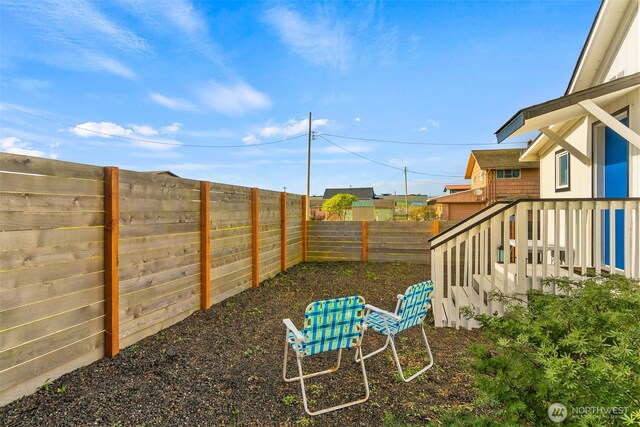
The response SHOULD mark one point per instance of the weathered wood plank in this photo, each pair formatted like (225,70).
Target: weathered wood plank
(154,255)
(32,349)
(13,221)
(155,180)
(48,362)
(30,239)
(131,299)
(18,335)
(18,183)
(159,317)
(33,257)
(152,218)
(157,242)
(13,298)
(146,192)
(33,275)
(149,306)
(146,230)
(37,165)
(31,202)
(155,328)
(155,267)
(138,283)
(128,204)
(42,309)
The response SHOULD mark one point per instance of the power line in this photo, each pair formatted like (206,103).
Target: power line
(384,164)
(151,141)
(388,141)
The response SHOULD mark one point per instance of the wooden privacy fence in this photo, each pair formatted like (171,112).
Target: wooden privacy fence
(372,241)
(94,259)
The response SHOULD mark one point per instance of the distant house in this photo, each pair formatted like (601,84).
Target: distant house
(364,193)
(495,175)
(456,188)
(499,175)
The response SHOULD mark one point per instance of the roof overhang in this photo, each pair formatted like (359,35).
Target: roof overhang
(565,108)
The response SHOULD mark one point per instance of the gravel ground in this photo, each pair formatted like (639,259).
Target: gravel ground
(223,366)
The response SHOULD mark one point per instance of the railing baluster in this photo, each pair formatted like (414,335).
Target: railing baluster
(597,237)
(534,244)
(545,238)
(569,255)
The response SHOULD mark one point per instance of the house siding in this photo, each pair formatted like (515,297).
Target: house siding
(627,57)
(527,185)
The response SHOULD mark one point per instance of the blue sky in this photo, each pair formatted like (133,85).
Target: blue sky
(221,91)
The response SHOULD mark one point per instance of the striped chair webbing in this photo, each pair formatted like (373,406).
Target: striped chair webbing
(333,324)
(415,304)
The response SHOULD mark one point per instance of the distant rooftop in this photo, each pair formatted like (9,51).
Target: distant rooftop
(363,193)
(498,159)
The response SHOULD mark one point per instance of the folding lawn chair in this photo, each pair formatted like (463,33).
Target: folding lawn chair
(411,310)
(329,325)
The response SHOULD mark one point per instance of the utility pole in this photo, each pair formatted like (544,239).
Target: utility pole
(406,194)
(308,213)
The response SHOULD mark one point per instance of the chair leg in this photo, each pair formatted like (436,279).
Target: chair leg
(311,375)
(421,371)
(343,405)
(381,349)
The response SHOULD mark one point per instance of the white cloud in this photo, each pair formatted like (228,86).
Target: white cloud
(172,103)
(357,119)
(172,128)
(102,129)
(429,124)
(99,62)
(318,41)
(14,145)
(291,128)
(144,130)
(250,139)
(30,85)
(233,99)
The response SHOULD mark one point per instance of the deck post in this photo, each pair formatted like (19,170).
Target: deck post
(283,231)
(365,244)
(255,237)
(205,246)
(111,236)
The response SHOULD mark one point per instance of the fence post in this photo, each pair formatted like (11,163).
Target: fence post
(205,246)
(365,243)
(304,228)
(283,231)
(111,236)
(436,227)
(255,241)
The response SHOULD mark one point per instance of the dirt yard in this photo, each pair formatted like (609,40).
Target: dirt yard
(223,366)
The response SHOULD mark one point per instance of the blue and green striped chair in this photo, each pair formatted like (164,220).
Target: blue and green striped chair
(411,310)
(329,325)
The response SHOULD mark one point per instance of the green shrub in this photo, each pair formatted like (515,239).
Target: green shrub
(580,348)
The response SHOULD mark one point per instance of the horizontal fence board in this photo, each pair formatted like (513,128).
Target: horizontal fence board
(29,276)
(222,246)
(19,258)
(231,292)
(238,264)
(13,337)
(151,192)
(154,255)
(42,309)
(157,242)
(234,279)
(128,204)
(33,349)
(424,259)
(11,221)
(28,202)
(158,180)
(131,299)
(30,239)
(17,297)
(232,287)
(47,362)
(156,327)
(147,306)
(137,283)
(149,218)
(37,165)
(145,230)
(158,317)
(11,182)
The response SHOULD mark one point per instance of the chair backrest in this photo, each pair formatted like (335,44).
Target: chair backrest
(415,304)
(333,324)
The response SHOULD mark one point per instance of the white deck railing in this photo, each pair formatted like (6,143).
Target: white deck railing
(511,247)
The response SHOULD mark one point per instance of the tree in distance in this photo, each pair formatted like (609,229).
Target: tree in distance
(339,204)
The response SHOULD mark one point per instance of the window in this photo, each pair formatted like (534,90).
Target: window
(482,176)
(562,170)
(507,173)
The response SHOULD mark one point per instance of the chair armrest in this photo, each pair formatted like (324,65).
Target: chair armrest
(382,312)
(296,333)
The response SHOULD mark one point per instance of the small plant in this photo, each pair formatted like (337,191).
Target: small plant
(348,272)
(252,350)
(132,348)
(229,304)
(304,422)
(372,276)
(290,399)
(45,386)
(62,389)
(315,390)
